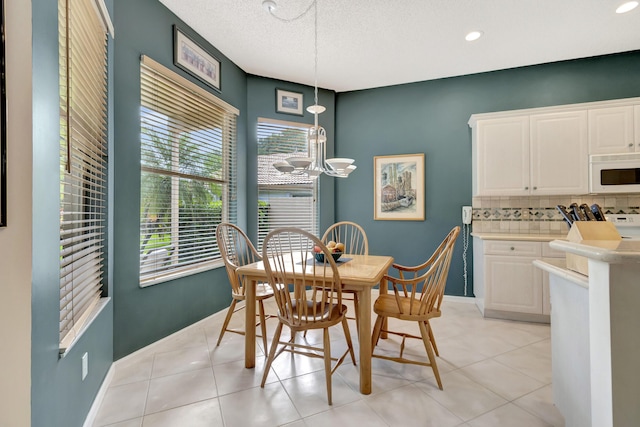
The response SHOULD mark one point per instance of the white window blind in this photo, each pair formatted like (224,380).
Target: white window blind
(284,200)
(83,162)
(188,174)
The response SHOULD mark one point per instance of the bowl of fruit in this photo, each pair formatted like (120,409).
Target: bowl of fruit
(336,250)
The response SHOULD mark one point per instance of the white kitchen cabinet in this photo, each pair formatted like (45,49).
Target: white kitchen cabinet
(501,165)
(542,154)
(506,284)
(559,153)
(614,130)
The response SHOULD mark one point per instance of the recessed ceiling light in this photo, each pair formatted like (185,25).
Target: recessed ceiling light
(473,35)
(627,7)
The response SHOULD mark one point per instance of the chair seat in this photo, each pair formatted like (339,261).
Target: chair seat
(263,291)
(387,305)
(332,317)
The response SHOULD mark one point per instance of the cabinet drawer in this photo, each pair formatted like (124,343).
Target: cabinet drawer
(549,252)
(515,248)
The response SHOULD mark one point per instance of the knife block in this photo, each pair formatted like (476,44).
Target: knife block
(585,231)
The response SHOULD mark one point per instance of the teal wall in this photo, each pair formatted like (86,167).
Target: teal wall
(431,117)
(59,397)
(144,315)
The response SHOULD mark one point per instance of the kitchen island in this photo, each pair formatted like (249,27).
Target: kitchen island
(594,332)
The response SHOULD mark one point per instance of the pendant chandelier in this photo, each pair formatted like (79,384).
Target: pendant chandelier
(317,163)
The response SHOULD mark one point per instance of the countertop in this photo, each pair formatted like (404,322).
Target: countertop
(520,237)
(611,251)
(558,268)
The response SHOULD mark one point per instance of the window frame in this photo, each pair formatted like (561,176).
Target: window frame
(227,180)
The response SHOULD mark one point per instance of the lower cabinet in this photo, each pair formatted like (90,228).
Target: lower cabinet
(506,284)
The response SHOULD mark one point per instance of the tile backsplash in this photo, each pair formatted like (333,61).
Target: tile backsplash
(538,215)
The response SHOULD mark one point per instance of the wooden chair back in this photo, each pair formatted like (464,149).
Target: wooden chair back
(236,250)
(295,275)
(349,233)
(426,290)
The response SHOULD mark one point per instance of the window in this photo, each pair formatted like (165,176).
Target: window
(83,161)
(188,174)
(284,200)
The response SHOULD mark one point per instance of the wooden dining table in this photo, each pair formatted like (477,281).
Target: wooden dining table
(360,274)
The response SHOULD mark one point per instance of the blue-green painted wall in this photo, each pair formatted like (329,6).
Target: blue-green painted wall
(144,315)
(431,117)
(59,397)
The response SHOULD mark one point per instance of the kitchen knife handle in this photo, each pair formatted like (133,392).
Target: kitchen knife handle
(565,214)
(577,213)
(597,212)
(586,210)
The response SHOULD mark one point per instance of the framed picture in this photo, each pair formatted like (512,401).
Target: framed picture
(289,102)
(189,56)
(399,187)
(3,125)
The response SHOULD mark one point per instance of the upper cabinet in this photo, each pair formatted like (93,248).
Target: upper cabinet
(611,130)
(545,151)
(559,155)
(502,156)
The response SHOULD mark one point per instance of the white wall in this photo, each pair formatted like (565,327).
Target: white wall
(15,239)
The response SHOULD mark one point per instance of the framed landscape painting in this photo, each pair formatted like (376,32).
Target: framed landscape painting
(289,102)
(399,187)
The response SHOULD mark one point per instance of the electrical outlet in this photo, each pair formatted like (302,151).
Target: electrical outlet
(85,365)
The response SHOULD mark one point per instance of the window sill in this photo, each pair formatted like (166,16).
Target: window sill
(68,343)
(181,273)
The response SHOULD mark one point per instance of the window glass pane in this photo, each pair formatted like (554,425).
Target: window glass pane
(284,200)
(187,175)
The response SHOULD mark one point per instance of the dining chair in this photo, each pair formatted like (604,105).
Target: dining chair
(237,250)
(294,275)
(417,296)
(355,242)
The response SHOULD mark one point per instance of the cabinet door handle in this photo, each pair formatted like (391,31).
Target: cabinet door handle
(535,188)
(526,188)
(512,248)
(630,145)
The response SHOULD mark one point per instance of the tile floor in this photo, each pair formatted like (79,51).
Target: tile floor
(494,372)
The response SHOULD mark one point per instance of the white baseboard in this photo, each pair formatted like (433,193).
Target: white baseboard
(95,406)
(454,298)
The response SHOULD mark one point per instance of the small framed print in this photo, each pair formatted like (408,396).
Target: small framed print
(192,58)
(399,187)
(289,102)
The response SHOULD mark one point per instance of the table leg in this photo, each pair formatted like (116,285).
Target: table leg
(385,322)
(364,337)
(250,324)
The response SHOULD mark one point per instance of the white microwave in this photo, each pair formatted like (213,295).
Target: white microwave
(614,173)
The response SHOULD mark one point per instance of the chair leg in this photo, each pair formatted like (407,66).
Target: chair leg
(272,353)
(347,336)
(355,307)
(327,362)
(377,328)
(424,331)
(263,325)
(433,339)
(227,319)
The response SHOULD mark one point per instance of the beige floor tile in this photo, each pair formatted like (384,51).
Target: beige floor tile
(503,380)
(122,403)
(182,360)
(409,406)
(233,376)
(180,389)
(309,392)
(531,363)
(507,415)
(138,369)
(353,414)
(200,414)
(462,396)
(483,363)
(259,407)
(540,404)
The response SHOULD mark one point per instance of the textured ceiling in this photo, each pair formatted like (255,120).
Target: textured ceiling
(372,43)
